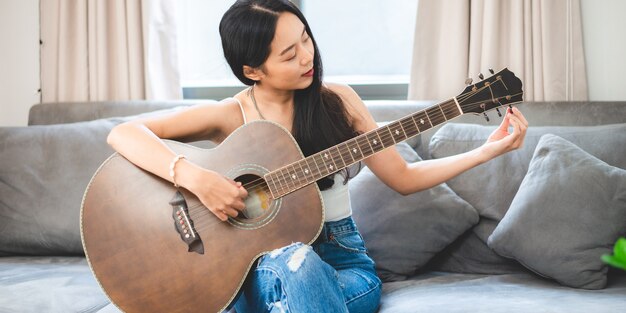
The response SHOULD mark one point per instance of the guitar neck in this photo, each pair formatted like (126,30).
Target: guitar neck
(296,175)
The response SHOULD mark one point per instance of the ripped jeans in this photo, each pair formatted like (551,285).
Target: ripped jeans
(335,274)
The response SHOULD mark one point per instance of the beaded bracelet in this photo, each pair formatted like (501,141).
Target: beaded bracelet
(172,165)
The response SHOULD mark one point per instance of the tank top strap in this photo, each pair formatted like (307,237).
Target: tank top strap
(243,114)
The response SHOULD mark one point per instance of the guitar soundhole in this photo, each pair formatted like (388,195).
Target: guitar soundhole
(260,207)
(258,201)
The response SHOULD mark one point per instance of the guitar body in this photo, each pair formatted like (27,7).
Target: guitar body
(129,232)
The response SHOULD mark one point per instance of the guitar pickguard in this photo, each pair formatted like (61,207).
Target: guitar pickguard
(184,224)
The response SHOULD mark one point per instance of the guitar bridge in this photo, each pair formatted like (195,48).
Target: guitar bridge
(184,224)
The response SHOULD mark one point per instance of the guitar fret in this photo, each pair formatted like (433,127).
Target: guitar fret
(280,181)
(291,177)
(345,154)
(341,156)
(428,118)
(402,127)
(442,113)
(380,141)
(328,157)
(355,149)
(409,127)
(273,179)
(284,180)
(433,116)
(424,121)
(336,157)
(308,161)
(363,144)
(294,176)
(327,171)
(350,151)
(367,139)
(387,135)
(452,109)
(415,122)
(298,174)
(326,165)
(395,133)
(268,180)
(344,151)
(304,172)
(374,140)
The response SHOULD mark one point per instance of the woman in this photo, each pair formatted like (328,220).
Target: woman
(270,47)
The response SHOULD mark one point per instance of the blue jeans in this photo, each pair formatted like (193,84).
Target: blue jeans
(335,274)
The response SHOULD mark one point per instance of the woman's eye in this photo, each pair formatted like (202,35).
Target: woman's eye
(293,57)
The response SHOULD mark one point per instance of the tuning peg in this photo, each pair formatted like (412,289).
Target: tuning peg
(469,81)
(491,71)
(481,76)
(486,116)
(498,110)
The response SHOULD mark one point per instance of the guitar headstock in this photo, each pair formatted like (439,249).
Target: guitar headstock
(499,90)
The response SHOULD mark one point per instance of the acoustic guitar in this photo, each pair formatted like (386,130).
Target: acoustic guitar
(154,248)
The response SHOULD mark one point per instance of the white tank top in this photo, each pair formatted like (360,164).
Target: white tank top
(336,198)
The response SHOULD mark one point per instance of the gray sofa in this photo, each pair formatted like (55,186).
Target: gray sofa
(439,250)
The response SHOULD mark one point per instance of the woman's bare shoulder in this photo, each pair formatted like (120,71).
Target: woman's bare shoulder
(210,120)
(355,107)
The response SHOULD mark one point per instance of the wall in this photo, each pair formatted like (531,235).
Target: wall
(603,30)
(604,36)
(19,60)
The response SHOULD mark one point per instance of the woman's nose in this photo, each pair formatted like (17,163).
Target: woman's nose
(307,57)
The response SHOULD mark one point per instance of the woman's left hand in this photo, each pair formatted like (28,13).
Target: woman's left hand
(501,141)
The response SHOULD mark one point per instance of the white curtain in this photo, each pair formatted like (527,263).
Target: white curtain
(539,40)
(96,50)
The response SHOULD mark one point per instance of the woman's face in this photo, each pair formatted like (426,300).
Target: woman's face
(290,63)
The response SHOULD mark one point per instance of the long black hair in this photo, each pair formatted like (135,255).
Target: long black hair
(320,118)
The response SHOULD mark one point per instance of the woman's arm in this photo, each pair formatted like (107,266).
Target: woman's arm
(406,178)
(140,142)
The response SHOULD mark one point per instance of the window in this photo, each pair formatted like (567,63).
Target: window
(364,43)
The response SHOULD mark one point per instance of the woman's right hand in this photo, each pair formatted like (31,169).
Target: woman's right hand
(221,195)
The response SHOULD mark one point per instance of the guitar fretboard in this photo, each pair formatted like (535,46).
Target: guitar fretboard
(296,175)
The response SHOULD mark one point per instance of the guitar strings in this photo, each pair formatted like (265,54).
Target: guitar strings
(437,117)
(447,110)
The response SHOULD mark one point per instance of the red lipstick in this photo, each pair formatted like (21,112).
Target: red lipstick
(309,73)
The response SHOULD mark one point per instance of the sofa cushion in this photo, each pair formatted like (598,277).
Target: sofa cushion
(403,232)
(44,174)
(45,170)
(569,210)
(511,293)
(490,187)
(49,284)
(468,254)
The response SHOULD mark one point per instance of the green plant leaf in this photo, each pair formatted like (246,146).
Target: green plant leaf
(613,261)
(618,259)
(619,251)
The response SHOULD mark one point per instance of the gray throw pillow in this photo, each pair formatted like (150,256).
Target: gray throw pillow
(569,210)
(45,170)
(402,233)
(490,187)
(44,175)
